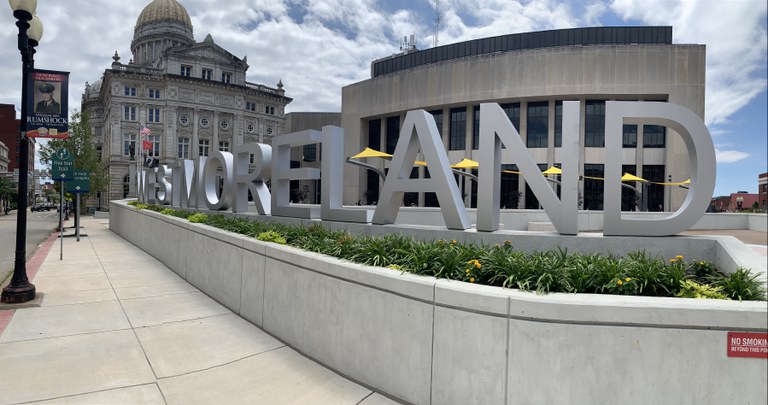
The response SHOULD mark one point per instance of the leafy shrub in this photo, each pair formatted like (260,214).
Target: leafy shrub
(167,211)
(271,236)
(742,285)
(692,289)
(197,217)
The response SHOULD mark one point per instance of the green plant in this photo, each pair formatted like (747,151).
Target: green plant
(692,289)
(622,286)
(271,236)
(742,285)
(197,217)
(167,211)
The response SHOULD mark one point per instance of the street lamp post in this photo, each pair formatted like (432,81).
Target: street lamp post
(739,201)
(30,31)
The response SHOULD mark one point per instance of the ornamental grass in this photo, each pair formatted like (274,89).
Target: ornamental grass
(557,270)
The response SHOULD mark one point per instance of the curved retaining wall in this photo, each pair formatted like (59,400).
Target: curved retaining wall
(428,341)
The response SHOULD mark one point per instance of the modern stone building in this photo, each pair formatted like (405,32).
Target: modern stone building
(530,75)
(192,96)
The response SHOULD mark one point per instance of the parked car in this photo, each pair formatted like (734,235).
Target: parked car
(39,207)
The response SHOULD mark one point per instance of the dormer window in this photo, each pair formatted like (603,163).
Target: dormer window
(186,71)
(226,77)
(207,73)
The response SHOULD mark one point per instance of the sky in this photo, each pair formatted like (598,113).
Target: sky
(316,47)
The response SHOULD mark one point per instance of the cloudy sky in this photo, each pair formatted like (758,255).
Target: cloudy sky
(318,46)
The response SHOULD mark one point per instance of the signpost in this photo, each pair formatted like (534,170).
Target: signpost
(62,169)
(81,183)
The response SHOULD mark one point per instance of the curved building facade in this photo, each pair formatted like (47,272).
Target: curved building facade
(530,75)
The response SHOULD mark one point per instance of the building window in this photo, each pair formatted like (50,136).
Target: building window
(309,153)
(224,124)
(476,127)
(374,134)
(458,129)
(128,140)
(204,146)
(250,106)
(207,73)
(183,148)
(509,195)
(250,127)
(654,136)
(154,93)
(538,126)
(630,137)
(629,197)
(205,122)
(129,91)
(183,119)
(268,109)
(186,71)
(513,113)
(226,77)
(438,115)
(98,132)
(224,146)
(594,124)
(393,133)
(593,186)
(155,140)
(129,113)
(153,115)
(654,192)
(558,124)
(531,201)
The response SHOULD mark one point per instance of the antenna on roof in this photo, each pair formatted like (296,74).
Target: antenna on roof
(408,45)
(438,21)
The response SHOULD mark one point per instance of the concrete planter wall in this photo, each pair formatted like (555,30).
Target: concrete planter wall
(427,341)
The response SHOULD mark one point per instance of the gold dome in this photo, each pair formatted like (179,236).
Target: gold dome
(164,10)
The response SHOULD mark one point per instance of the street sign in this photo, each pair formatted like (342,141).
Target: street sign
(62,165)
(81,182)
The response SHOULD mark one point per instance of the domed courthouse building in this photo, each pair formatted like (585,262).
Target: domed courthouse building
(530,75)
(192,96)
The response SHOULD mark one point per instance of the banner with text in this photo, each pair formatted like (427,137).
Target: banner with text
(47,113)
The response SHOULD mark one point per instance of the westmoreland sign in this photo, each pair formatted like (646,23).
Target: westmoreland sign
(194,184)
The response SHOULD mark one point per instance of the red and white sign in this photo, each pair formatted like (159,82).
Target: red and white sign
(746,344)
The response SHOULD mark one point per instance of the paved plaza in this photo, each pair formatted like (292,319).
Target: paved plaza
(115,326)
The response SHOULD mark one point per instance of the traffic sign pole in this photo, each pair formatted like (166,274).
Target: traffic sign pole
(77,218)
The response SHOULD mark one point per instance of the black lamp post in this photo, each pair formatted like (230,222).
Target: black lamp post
(30,31)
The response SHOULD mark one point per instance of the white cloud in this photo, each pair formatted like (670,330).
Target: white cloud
(730,156)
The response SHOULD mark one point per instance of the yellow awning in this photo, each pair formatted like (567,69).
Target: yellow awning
(419,163)
(369,153)
(630,177)
(466,164)
(552,170)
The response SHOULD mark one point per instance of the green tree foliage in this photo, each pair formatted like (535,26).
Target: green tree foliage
(81,145)
(7,192)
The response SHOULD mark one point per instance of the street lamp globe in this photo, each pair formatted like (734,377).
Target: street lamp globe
(35,30)
(23,8)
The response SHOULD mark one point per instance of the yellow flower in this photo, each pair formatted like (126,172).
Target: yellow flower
(679,257)
(469,261)
(627,279)
(477,264)
(441,241)
(497,246)
(619,282)
(467,271)
(453,242)
(701,263)
(471,279)
(507,242)
(672,260)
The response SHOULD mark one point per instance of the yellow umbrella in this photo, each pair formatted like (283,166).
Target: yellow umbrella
(419,163)
(629,177)
(369,153)
(510,171)
(466,164)
(552,170)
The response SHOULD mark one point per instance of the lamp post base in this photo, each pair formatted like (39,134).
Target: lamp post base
(18,294)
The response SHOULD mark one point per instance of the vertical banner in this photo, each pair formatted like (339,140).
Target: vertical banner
(47,112)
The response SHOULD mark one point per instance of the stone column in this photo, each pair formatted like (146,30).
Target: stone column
(215,138)
(193,152)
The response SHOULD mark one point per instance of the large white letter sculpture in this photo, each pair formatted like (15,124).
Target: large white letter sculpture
(701,165)
(282,174)
(419,129)
(332,187)
(212,175)
(253,181)
(495,129)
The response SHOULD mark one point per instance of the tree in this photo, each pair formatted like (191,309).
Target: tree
(80,144)
(7,189)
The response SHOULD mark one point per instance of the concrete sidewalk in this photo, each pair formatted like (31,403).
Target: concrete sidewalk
(115,326)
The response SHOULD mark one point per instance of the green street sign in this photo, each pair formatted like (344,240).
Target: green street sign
(62,165)
(81,182)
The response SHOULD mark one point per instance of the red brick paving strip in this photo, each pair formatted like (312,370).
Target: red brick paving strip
(33,265)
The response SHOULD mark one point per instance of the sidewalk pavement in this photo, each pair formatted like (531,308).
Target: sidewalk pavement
(115,326)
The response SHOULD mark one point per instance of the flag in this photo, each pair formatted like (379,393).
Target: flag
(145,131)
(147,145)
